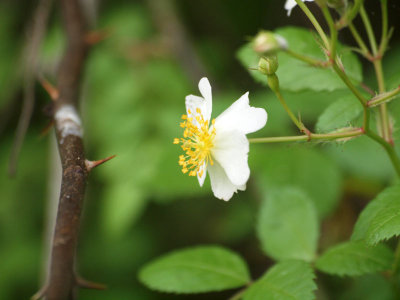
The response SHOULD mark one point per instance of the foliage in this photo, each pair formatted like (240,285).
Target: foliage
(298,76)
(355,258)
(288,225)
(380,220)
(302,200)
(287,280)
(301,169)
(195,270)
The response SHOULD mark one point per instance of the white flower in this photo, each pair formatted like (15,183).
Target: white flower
(219,147)
(290,4)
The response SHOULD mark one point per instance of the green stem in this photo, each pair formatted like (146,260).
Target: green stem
(387,146)
(359,40)
(332,30)
(389,149)
(384,117)
(299,124)
(377,62)
(350,15)
(379,75)
(366,118)
(314,21)
(368,28)
(239,294)
(384,97)
(309,60)
(349,84)
(310,137)
(385,21)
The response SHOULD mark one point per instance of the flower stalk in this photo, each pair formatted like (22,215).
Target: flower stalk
(347,18)
(314,21)
(311,137)
(385,141)
(291,115)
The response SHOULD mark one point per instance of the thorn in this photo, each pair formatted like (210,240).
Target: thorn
(95,37)
(83,283)
(40,293)
(93,164)
(50,89)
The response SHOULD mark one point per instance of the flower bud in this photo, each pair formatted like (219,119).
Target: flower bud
(268,65)
(273,83)
(267,42)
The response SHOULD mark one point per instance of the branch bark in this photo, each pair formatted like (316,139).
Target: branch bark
(62,283)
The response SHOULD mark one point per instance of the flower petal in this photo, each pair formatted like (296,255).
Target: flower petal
(203,172)
(205,90)
(240,116)
(230,151)
(221,186)
(192,104)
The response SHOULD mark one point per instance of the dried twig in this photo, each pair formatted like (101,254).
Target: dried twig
(35,34)
(166,18)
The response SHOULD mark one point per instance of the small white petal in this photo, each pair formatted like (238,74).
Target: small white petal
(221,186)
(240,116)
(205,90)
(230,151)
(290,4)
(192,104)
(203,170)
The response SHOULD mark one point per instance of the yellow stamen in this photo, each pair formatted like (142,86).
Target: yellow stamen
(197,142)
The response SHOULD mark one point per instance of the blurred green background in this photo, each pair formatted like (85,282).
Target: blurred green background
(140,205)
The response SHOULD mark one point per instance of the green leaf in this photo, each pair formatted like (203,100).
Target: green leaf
(288,225)
(288,280)
(196,270)
(339,114)
(380,220)
(355,258)
(302,167)
(354,157)
(364,220)
(295,75)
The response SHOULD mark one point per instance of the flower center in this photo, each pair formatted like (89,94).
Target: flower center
(197,143)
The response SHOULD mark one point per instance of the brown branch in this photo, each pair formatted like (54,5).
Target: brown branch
(62,283)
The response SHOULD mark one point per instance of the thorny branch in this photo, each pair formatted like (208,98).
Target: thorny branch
(63,280)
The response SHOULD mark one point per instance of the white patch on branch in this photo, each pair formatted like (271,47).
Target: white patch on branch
(68,122)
